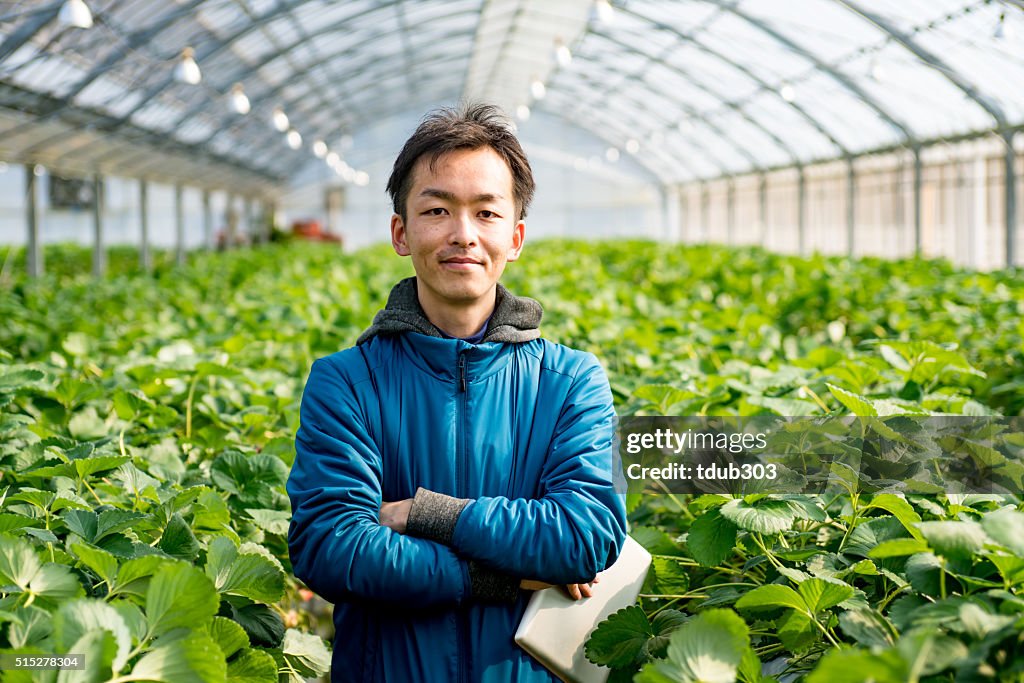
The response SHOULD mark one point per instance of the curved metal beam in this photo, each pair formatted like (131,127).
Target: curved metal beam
(931,60)
(24,32)
(270,95)
(686,75)
(836,75)
(700,45)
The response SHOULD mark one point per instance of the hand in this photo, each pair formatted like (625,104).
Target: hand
(575,590)
(396,515)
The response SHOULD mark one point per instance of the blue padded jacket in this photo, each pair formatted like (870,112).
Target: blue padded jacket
(523,430)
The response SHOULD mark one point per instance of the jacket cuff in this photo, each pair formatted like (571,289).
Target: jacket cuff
(433,515)
(488,585)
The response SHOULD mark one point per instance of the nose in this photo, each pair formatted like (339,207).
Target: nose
(463,232)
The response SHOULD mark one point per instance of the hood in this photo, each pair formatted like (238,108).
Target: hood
(515,319)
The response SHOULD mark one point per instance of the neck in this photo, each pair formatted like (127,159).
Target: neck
(456,320)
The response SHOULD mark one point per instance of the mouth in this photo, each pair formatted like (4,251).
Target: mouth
(460,262)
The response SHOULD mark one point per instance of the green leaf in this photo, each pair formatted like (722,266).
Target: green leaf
(179,595)
(228,635)
(857,405)
(100,561)
(134,575)
(250,478)
(868,627)
(954,539)
(99,649)
(306,653)
(670,576)
(858,666)
(252,666)
(262,624)
(796,631)
(820,594)
(711,539)
(18,562)
(193,659)
(56,582)
(246,574)
(73,620)
(271,521)
(771,595)
(1006,527)
(929,652)
(619,640)
(766,516)
(901,509)
(708,648)
(178,540)
(898,547)
(655,541)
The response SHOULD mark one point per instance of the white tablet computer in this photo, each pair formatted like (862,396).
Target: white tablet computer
(555,627)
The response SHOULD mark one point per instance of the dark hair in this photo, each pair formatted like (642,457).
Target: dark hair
(471,126)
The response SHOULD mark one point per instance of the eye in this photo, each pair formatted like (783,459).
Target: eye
(436,211)
(489,214)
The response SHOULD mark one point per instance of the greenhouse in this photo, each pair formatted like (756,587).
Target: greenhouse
(747,403)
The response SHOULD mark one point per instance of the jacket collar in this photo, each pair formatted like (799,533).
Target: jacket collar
(515,319)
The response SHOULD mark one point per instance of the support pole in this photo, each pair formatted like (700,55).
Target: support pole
(730,210)
(801,218)
(99,252)
(179,226)
(762,209)
(34,253)
(705,211)
(145,258)
(918,246)
(851,205)
(1011,200)
(231,217)
(207,222)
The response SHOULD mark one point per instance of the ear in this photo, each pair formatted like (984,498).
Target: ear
(398,236)
(518,237)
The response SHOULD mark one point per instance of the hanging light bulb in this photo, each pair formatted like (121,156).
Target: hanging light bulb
(601,12)
(563,56)
(632,146)
(186,70)
(320,149)
(332,158)
(787,92)
(523,112)
(280,119)
(362,178)
(75,13)
(294,139)
(537,89)
(877,71)
(239,102)
(612,154)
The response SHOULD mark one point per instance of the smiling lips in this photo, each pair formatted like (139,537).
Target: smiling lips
(463,261)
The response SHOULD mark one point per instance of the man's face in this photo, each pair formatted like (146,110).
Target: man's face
(461,226)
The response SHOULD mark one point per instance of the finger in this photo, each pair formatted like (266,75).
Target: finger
(574,591)
(586,590)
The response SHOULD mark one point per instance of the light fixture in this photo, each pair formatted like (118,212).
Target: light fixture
(38,170)
(239,102)
(347,172)
(612,154)
(75,13)
(537,89)
(186,70)
(787,92)
(332,158)
(294,139)
(320,149)
(362,179)
(632,146)
(876,70)
(523,112)
(1003,29)
(563,56)
(601,12)
(280,119)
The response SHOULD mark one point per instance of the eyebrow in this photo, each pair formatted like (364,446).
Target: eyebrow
(450,196)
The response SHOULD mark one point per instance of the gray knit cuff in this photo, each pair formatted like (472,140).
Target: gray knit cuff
(488,585)
(434,515)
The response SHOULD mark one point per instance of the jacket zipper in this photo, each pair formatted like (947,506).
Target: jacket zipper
(461,472)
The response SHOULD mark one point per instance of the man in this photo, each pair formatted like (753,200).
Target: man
(452,460)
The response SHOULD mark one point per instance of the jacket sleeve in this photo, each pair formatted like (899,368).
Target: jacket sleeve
(578,525)
(336,542)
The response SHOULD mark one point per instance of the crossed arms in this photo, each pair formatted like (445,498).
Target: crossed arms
(341,549)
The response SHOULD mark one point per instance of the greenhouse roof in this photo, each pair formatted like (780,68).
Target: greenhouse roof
(705,88)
